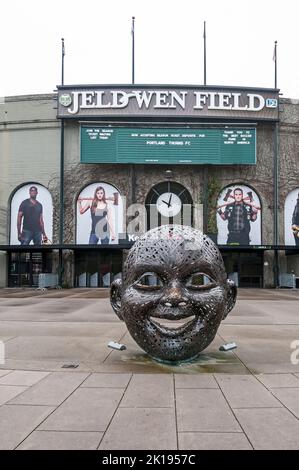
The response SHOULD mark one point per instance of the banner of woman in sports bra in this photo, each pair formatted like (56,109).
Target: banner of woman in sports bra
(31,216)
(239,215)
(99,215)
(291,218)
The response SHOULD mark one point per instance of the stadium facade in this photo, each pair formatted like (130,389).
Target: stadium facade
(84,171)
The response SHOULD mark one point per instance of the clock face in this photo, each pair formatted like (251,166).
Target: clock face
(169,204)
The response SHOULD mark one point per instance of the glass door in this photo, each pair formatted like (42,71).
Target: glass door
(245,267)
(97,268)
(25,267)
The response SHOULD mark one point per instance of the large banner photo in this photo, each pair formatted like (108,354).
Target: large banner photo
(99,215)
(239,216)
(31,216)
(291,218)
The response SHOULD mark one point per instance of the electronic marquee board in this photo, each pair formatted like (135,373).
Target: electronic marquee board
(216,146)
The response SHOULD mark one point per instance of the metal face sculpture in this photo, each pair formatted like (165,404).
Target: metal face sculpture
(174,292)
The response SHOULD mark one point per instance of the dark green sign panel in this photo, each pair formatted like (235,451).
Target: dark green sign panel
(165,146)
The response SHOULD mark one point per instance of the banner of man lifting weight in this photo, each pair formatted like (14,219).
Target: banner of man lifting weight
(239,216)
(99,215)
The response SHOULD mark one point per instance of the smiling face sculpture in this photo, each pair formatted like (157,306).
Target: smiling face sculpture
(174,292)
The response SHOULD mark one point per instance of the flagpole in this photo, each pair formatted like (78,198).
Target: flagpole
(205,167)
(133,49)
(62,61)
(132,166)
(61,190)
(204,55)
(275,64)
(276,181)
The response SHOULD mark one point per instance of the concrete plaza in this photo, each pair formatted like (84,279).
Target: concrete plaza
(241,399)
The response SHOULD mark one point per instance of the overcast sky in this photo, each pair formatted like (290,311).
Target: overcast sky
(168,43)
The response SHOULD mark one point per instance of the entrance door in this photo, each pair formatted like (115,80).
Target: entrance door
(97,268)
(246,266)
(25,267)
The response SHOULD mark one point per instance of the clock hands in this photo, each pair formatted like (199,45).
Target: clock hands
(173,204)
(168,203)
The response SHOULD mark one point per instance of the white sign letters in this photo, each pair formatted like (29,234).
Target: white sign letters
(198,101)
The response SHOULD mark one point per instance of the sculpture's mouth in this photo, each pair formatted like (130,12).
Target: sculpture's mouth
(174,326)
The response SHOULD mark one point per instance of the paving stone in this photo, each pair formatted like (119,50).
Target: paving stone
(24,377)
(289,397)
(107,380)
(4,339)
(25,364)
(195,381)
(4,372)
(53,440)
(262,347)
(245,391)
(88,409)
(141,428)
(7,392)
(270,428)
(266,348)
(204,410)
(278,380)
(65,328)
(58,348)
(18,421)
(149,391)
(280,367)
(52,390)
(213,441)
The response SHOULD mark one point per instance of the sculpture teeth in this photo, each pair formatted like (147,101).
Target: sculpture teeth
(172,324)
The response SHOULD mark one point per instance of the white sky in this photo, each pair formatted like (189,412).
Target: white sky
(168,43)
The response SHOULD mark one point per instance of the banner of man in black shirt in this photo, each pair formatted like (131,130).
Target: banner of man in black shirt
(28,216)
(238,220)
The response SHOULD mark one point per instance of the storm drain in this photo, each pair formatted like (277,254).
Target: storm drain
(69,366)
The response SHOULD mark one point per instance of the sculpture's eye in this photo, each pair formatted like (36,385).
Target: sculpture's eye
(150,281)
(200,281)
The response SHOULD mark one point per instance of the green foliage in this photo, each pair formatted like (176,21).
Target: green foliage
(214,188)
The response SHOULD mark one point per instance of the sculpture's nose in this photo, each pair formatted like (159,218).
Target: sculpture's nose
(174,295)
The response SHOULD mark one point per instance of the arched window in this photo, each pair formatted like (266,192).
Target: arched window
(169,203)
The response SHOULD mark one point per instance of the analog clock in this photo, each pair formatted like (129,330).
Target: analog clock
(169,204)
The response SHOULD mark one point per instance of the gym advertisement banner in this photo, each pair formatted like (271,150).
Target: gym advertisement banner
(291,218)
(239,215)
(99,215)
(31,216)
